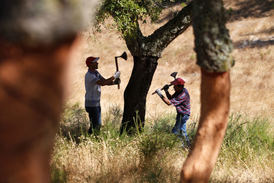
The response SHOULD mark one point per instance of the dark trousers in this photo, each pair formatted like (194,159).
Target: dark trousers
(94,118)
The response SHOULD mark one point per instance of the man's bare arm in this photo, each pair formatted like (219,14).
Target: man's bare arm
(166,100)
(103,81)
(168,95)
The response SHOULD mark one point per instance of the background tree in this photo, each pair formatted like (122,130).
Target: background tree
(127,14)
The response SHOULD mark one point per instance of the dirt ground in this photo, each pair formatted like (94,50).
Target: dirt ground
(251,28)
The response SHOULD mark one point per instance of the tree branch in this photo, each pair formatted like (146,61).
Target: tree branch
(162,37)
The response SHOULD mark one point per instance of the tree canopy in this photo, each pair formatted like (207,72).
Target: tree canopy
(127,13)
(146,50)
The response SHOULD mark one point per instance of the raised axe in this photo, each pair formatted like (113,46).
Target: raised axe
(124,56)
(174,74)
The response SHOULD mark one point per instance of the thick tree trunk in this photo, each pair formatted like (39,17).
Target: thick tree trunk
(213,47)
(146,52)
(215,101)
(136,92)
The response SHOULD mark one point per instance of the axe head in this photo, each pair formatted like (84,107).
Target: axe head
(124,56)
(174,74)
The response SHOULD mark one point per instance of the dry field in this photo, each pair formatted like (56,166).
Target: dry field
(252,76)
(251,28)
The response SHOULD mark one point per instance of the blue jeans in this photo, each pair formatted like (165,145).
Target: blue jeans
(180,127)
(94,118)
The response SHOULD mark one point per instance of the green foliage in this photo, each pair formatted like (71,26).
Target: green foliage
(183,4)
(229,12)
(57,175)
(255,133)
(127,13)
(156,141)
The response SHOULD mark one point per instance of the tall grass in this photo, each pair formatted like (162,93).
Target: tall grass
(73,121)
(247,151)
(156,155)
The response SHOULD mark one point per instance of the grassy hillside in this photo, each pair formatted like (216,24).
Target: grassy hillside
(155,156)
(251,28)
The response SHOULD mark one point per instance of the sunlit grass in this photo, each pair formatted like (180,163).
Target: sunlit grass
(156,155)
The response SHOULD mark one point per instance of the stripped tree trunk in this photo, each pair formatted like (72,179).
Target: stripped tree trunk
(213,47)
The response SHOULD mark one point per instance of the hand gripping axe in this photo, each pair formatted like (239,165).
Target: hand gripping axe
(124,56)
(174,74)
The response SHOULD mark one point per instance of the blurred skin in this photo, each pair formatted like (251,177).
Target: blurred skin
(32,91)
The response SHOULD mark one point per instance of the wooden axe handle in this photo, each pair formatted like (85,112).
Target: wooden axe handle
(117,69)
(116,62)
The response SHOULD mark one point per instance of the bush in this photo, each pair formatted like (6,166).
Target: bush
(73,122)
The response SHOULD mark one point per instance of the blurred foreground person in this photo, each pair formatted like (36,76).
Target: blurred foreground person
(181,100)
(93,82)
(36,40)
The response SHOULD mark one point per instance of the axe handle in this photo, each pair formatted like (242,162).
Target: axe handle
(161,89)
(117,69)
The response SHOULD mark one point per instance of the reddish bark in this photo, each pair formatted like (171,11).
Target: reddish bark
(31,98)
(215,101)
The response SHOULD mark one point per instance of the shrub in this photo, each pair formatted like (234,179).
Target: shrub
(73,122)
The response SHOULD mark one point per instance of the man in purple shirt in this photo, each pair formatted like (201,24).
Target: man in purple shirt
(181,100)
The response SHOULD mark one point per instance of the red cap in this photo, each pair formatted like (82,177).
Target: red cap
(91,59)
(178,81)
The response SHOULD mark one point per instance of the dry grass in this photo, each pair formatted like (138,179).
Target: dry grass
(156,155)
(252,33)
(252,78)
(100,162)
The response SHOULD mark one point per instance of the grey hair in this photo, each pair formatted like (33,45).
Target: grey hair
(46,22)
